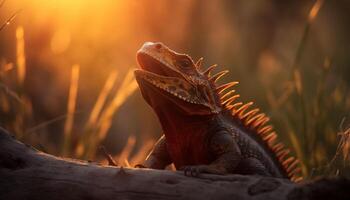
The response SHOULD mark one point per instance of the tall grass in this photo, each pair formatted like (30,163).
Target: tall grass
(341,157)
(311,120)
(15,107)
(100,119)
(96,111)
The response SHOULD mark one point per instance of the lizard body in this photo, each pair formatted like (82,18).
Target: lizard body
(205,129)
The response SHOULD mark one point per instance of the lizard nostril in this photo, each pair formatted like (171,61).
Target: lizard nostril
(158,46)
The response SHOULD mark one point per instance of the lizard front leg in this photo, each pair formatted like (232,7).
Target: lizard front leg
(159,157)
(226,152)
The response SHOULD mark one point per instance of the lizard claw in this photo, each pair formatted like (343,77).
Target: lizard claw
(196,170)
(140,166)
(192,171)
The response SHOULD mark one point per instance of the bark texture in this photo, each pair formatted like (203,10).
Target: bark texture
(26,173)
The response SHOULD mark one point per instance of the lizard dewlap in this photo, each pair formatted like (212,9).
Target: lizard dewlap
(206,130)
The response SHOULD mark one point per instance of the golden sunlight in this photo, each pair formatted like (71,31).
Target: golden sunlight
(68,87)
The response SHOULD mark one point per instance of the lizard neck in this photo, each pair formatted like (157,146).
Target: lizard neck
(176,123)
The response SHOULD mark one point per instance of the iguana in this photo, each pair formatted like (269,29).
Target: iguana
(205,129)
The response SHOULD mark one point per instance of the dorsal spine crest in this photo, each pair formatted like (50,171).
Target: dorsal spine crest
(257,122)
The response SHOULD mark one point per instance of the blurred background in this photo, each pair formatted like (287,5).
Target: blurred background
(67,88)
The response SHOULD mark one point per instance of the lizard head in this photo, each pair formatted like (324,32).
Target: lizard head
(171,77)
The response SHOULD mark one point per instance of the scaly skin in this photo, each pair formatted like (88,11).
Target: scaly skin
(204,132)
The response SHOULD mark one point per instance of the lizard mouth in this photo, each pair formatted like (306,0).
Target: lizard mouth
(155,65)
(161,75)
(145,77)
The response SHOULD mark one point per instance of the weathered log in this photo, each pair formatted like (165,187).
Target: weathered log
(26,173)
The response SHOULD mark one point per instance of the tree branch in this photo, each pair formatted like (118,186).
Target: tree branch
(26,173)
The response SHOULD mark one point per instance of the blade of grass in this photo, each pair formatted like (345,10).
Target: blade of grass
(298,80)
(20,117)
(343,145)
(297,148)
(70,110)
(126,89)
(91,126)
(124,155)
(314,10)
(108,156)
(21,60)
(8,22)
(49,122)
(103,124)
(346,146)
(11,93)
(142,153)
(105,121)
(102,99)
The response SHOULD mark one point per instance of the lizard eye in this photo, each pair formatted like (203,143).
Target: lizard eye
(184,63)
